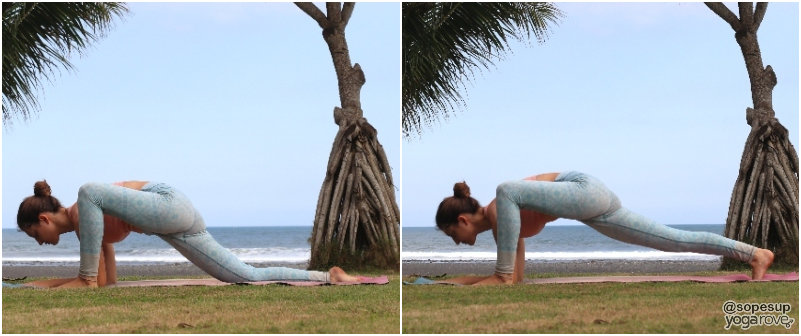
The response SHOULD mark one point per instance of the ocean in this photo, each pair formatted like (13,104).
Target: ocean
(261,244)
(554,243)
(289,244)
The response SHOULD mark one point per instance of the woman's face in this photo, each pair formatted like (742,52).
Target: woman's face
(45,232)
(461,232)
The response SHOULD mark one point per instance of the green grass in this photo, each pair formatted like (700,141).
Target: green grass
(194,309)
(680,307)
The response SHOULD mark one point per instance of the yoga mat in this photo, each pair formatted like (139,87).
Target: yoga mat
(380,280)
(639,278)
(666,278)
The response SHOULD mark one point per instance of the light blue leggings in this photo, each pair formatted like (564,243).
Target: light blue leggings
(160,210)
(584,198)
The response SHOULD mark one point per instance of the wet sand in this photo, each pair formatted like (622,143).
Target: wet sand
(154,270)
(563,267)
(424,268)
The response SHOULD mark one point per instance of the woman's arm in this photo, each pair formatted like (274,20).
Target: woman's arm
(520,262)
(102,278)
(106,274)
(99,281)
(107,271)
(101,269)
(110,264)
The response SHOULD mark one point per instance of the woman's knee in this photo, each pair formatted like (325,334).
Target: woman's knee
(90,191)
(507,190)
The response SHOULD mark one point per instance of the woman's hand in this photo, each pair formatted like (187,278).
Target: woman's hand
(497,279)
(78,283)
(465,280)
(49,283)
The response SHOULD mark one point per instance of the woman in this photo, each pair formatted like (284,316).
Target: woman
(522,208)
(106,213)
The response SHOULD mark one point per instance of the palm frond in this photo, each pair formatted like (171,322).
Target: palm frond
(445,44)
(38,39)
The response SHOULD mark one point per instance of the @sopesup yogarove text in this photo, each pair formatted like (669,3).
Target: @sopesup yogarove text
(746,314)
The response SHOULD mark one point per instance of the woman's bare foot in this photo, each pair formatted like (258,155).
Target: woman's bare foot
(336,274)
(760,263)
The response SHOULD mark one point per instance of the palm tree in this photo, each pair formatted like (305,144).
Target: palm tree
(445,42)
(357,221)
(764,206)
(38,38)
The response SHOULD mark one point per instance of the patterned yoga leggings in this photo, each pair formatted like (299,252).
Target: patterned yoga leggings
(160,210)
(584,198)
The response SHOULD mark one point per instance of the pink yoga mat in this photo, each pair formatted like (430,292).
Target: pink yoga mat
(664,278)
(638,278)
(380,280)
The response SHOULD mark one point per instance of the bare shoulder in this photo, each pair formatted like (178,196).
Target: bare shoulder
(134,184)
(543,177)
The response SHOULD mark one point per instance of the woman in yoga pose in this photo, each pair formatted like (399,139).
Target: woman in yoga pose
(522,208)
(106,213)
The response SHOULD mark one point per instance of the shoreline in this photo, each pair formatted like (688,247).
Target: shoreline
(408,268)
(184,269)
(435,268)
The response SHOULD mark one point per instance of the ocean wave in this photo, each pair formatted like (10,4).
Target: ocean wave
(248,255)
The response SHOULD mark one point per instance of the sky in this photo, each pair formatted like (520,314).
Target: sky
(231,103)
(649,98)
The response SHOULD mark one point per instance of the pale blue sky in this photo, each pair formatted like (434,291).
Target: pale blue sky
(231,103)
(650,98)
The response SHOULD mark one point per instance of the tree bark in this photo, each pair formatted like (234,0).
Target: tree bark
(764,206)
(357,220)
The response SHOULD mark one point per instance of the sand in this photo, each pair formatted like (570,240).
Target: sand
(155,270)
(563,267)
(409,268)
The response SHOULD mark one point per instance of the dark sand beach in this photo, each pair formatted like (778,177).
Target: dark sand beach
(424,268)
(564,267)
(154,270)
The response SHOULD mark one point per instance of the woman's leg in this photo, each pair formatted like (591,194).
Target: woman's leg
(578,196)
(621,224)
(572,195)
(630,227)
(157,208)
(162,210)
(633,228)
(203,251)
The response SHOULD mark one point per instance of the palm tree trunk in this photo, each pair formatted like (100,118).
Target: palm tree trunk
(357,218)
(764,206)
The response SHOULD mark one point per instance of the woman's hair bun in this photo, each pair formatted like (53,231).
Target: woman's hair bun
(461,190)
(41,189)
